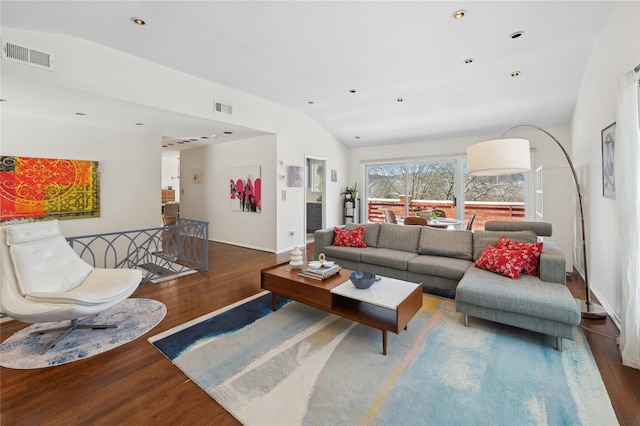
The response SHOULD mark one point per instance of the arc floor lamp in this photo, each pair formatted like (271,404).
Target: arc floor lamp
(510,156)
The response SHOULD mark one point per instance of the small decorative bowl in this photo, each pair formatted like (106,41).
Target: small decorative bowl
(362,279)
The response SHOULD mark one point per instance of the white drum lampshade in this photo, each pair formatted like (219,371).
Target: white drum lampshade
(499,157)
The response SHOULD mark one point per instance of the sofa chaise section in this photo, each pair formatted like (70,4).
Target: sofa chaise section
(538,303)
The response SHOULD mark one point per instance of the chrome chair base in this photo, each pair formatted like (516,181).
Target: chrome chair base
(75,325)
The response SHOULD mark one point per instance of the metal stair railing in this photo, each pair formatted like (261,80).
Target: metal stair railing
(160,253)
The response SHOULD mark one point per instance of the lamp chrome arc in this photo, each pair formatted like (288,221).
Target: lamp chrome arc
(589,309)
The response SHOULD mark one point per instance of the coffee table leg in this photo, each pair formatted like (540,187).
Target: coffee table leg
(384,342)
(273,301)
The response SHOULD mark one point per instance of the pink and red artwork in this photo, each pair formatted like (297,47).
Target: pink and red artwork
(245,189)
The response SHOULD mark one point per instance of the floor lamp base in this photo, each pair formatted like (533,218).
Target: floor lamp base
(591,311)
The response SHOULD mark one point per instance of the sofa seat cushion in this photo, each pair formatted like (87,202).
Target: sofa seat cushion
(395,259)
(526,296)
(446,267)
(399,237)
(449,243)
(352,254)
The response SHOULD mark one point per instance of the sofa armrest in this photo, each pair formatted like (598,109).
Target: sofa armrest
(552,264)
(322,238)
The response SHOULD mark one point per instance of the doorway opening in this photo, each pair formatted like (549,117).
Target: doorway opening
(315,187)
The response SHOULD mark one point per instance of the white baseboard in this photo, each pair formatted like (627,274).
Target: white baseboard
(603,302)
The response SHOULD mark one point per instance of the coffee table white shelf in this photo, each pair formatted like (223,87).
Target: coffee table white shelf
(387,292)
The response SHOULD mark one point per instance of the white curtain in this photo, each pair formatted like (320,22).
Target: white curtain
(627,181)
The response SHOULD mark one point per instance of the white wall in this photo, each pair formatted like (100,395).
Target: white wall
(617,51)
(547,154)
(210,200)
(94,69)
(129,184)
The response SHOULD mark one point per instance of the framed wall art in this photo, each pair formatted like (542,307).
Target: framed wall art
(608,136)
(245,188)
(296,176)
(197,175)
(48,188)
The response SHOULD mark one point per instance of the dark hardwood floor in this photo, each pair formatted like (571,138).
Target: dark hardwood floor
(135,384)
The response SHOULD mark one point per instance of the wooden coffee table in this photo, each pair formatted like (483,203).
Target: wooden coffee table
(388,305)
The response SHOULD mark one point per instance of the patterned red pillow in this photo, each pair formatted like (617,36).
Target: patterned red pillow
(504,262)
(346,238)
(530,251)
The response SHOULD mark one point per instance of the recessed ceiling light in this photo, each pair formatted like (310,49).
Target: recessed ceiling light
(399,99)
(193,140)
(516,34)
(186,141)
(357,137)
(352,91)
(138,21)
(139,124)
(228,133)
(515,74)
(180,142)
(3,100)
(458,14)
(469,60)
(204,137)
(164,146)
(310,102)
(170,144)
(81,113)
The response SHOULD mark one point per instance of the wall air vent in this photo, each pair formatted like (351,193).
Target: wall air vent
(222,107)
(27,55)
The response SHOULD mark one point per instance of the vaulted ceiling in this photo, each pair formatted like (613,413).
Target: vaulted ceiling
(370,72)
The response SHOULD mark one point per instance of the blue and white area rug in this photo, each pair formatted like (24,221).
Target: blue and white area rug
(299,365)
(134,317)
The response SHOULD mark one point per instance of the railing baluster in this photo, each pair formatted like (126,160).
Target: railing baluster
(161,252)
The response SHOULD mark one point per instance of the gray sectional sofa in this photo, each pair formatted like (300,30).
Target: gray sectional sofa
(443,260)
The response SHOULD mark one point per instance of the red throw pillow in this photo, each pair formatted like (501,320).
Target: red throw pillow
(530,251)
(346,238)
(504,262)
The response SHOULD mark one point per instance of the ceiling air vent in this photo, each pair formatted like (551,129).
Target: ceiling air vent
(28,56)
(225,108)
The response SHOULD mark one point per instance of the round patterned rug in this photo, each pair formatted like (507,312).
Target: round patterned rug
(134,317)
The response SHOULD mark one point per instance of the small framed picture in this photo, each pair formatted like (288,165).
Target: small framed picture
(334,175)
(295,176)
(197,175)
(608,154)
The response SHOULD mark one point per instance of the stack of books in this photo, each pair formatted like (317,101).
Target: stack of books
(320,273)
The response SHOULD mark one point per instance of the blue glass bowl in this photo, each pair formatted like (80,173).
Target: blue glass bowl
(362,279)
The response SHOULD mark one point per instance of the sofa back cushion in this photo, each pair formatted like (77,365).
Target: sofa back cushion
(371,232)
(399,237)
(457,244)
(482,239)
(542,229)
